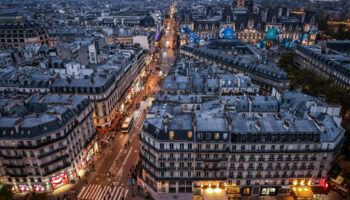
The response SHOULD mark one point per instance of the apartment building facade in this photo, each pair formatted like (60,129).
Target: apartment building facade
(232,147)
(48,143)
(329,65)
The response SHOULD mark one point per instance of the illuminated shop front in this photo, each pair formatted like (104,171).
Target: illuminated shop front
(23,188)
(59,181)
(38,188)
(233,193)
(268,191)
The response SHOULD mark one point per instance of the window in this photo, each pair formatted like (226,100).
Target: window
(189,135)
(161,146)
(216,146)
(171,135)
(189,146)
(171,146)
(217,136)
(182,146)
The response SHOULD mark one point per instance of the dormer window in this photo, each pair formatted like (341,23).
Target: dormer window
(242,26)
(189,135)
(274,19)
(187,19)
(217,136)
(171,135)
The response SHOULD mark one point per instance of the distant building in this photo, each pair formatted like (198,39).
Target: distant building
(236,57)
(45,140)
(201,78)
(250,24)
(327,63)
(19,34)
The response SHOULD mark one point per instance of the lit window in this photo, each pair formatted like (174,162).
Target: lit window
(189,134)
(217,136)
(171,135)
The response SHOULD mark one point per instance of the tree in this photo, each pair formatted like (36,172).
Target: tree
(36,196)
(6,193)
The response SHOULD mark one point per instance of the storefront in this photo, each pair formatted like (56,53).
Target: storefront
(268,191)
(23,188)
(233,193)
(246,191)
(91,153)
(38,188)
(59,181)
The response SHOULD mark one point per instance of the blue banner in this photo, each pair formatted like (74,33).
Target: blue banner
(305,37)
(191,37)
(187,29)
(271,34)
(228,33)
(263,44)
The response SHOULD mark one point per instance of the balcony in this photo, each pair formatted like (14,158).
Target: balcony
(261,159)
(59,158)
(260,168)
(279,159)
(258,176)
(302,167)
(240,168)
(8,165)
(52,152)
(57,169)
(313,158)
(12,157)
(311,167)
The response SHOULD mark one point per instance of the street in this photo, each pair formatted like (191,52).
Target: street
(109,176)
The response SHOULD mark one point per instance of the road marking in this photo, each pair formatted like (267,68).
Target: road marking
(115,194)
(81,192)
(126,193)
(121,192)
(88,189)
(127,156)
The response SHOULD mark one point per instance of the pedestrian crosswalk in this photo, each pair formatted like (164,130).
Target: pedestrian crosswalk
(101,192)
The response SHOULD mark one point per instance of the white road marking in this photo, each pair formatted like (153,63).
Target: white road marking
(81,192)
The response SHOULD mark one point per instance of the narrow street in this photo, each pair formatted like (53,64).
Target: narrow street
(109,176)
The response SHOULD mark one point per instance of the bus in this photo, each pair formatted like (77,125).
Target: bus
(127,124)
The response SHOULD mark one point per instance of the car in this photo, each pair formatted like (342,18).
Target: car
(144,97)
